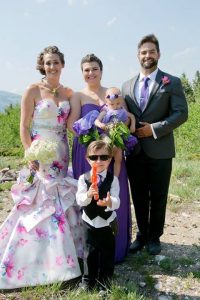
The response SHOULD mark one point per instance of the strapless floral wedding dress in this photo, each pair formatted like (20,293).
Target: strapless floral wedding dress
(42,236)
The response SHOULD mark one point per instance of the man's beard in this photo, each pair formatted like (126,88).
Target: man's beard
(150,65)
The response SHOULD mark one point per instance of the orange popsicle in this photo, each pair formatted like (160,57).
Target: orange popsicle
(94,179)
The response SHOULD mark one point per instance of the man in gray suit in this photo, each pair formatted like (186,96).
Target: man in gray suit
(158,102)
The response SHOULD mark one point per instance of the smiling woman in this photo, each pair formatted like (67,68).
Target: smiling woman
(44,217)
(91,98)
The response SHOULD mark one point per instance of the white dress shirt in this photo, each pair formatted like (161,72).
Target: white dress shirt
(83,200)
(138,88)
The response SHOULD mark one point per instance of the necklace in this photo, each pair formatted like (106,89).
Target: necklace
(53,91)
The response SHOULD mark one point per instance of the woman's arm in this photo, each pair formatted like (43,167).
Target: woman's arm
(75,112)
(27,108)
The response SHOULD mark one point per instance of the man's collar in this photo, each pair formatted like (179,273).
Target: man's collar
(152,76)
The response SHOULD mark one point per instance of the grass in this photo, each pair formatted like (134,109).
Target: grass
(10,161)
(55,292)
(5,186)
(184,186)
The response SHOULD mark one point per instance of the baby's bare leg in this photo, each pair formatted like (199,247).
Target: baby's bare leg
(117,153)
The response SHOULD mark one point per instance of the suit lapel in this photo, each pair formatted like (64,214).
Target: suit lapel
(132,90)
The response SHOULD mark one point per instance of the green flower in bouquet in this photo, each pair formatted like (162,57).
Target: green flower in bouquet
(86,139)
(118,132)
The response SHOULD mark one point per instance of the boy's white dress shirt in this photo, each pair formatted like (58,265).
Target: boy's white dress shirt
(83,200)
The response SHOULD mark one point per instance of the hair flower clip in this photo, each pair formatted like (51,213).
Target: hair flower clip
(165,80)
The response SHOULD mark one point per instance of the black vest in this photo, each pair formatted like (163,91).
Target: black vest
(92,210)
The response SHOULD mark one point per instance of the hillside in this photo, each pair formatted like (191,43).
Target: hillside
(7,98)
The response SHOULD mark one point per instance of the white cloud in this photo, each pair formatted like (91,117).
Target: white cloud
(9,65)
(41,1)
(185,53)
(111,58)
(172,28)
(26,14)
(71,2)
(85,2)
(111,21)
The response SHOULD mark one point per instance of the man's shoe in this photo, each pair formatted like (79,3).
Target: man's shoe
(154,247)
(137,245)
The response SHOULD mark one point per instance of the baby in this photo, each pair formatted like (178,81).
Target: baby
(115,112)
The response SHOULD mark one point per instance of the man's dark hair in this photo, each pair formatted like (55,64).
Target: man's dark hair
(150,38)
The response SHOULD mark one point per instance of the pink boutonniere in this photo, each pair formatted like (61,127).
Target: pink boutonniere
(165,80)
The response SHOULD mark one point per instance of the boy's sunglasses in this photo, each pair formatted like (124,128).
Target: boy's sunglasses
(102,157)
(113,96)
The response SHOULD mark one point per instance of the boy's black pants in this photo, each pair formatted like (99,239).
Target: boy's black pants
(99,256)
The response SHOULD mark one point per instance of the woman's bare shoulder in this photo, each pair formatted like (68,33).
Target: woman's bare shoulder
(32,89)
(68,92)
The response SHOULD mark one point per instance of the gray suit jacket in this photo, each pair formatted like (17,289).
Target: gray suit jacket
(166,109)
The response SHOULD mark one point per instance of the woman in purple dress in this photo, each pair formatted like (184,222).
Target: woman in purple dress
(92,98)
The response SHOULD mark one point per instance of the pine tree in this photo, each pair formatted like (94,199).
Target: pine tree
(196,86)
(187,87)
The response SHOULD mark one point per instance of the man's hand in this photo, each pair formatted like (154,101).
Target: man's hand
(144,131)
(106,201)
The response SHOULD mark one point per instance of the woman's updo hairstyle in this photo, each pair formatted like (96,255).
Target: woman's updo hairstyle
(90,58)
(48,50)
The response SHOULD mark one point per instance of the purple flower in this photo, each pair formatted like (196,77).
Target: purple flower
(61,115)
(130,142)
(165,80)
(83,125)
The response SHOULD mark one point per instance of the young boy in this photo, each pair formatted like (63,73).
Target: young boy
(99,217)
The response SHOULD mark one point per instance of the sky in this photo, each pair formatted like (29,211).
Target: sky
(111,29)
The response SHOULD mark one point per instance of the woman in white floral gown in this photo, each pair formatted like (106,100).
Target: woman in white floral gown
(41,238)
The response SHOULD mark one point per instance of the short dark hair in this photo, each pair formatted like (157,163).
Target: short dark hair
(99,144)
(48,50)
(150,38)
(90,58)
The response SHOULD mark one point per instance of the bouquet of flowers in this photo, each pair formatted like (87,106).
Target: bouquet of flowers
(44,151)
(120,136)
(117,133)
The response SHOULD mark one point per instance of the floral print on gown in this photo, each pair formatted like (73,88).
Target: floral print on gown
(41,237)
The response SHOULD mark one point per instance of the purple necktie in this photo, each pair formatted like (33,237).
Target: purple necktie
(100,179)
(144,93)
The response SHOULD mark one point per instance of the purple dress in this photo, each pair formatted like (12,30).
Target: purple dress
(80,166)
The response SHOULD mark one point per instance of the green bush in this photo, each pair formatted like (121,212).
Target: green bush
(9,132)
(187,136)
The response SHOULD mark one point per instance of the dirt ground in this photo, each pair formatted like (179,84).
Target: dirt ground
(171,272)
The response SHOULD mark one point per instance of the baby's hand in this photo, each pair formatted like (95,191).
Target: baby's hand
(93,190)
(132,128)
(106,201)
(103,126)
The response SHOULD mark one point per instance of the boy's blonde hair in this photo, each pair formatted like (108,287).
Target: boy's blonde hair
(97,145)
